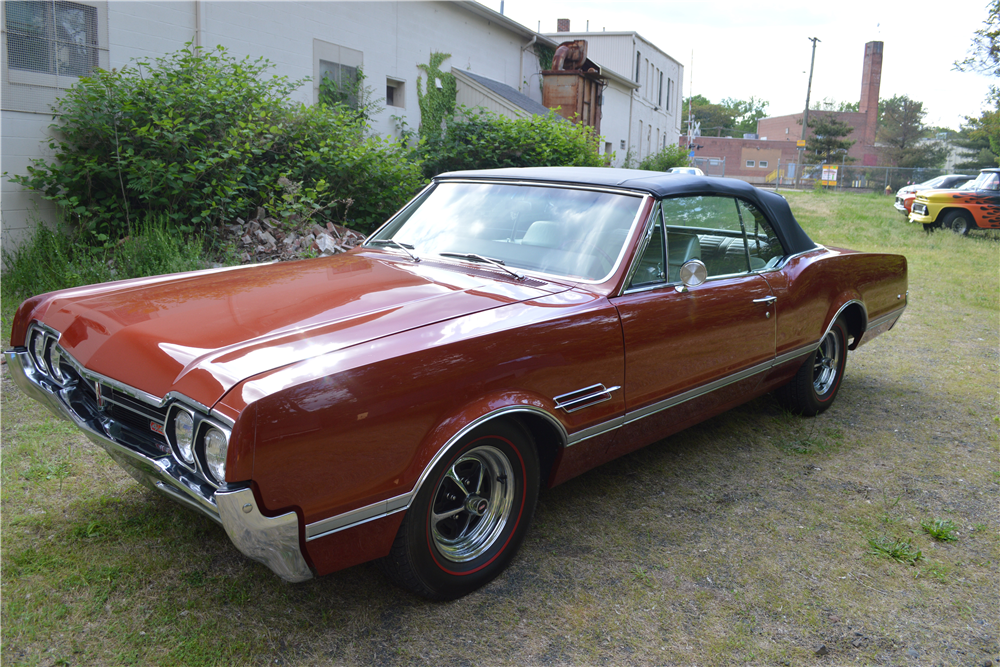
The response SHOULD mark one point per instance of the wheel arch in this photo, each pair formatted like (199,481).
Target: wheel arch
(855,315)
(547,432)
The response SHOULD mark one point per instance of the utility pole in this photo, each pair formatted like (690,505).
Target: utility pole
(805,114)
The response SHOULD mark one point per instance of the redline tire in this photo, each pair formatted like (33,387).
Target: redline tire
(469,518)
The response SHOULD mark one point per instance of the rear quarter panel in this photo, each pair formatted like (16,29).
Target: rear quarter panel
(815,286)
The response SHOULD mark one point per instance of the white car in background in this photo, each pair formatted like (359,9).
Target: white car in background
(694,171)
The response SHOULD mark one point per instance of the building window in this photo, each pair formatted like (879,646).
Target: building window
(336,73)
(659,98)
(394,93)
(762,164)
(749,163)
(670,92)
(638,65)
(59,38)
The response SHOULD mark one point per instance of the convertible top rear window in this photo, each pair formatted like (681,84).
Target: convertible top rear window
(561,231)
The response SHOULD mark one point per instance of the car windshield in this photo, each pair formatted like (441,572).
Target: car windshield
(933,183)
(987,180)
(562,231)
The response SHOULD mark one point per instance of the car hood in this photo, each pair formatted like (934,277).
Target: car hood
(199,334)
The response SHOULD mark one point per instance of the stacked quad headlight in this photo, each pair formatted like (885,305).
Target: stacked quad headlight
(198,442)
(46,354)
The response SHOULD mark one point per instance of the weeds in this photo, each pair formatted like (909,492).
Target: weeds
(901,551)
(942,530)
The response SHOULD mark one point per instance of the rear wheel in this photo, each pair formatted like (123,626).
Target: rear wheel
(817,381)
(469,517)
(959,222)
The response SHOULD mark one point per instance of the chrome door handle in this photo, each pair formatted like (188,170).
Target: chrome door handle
(767,299)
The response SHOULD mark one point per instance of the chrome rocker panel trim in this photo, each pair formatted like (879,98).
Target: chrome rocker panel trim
(273,541)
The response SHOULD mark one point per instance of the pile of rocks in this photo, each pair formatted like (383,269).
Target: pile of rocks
(264,239)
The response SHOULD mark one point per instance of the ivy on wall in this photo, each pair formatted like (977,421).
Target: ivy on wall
(438,102)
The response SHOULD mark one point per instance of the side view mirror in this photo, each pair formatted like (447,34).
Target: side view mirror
(692,273)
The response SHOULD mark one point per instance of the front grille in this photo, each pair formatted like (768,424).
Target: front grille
(124,418)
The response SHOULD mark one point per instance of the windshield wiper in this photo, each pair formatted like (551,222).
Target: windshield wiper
(486,260)
(405,247)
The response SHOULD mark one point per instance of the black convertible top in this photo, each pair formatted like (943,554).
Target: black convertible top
(661,185)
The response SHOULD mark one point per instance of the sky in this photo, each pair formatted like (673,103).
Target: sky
(741,49)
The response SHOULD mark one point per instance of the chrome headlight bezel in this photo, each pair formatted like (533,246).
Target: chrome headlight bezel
(215,448)
(183,449)
(36,347)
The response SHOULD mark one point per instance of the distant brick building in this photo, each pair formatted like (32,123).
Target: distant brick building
(751,160)
(864,121)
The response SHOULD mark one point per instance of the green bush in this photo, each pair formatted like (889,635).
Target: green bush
(202,137)
(671,156)
(476,139)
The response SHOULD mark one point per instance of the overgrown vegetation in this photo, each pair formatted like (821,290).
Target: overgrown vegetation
(479,139)
(55,259)
(346,93)
(670,156)
(202,137)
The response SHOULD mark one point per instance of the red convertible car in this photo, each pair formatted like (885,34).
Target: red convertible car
(506,330)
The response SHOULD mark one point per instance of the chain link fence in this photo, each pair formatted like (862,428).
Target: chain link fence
(712,166)
(851,177)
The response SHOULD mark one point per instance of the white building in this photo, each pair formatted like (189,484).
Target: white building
(47,44)
(642,103)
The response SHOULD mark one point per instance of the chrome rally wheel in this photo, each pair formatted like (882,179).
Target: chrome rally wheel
(469,516)
(816,383)
(472,504)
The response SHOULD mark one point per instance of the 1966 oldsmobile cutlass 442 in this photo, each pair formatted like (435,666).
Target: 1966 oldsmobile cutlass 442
(506,330)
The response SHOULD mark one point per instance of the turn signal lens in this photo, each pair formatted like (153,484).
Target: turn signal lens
(216,447)
(184,435)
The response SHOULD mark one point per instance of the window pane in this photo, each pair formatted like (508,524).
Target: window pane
(650,268)
(706,228)
(765,248)
(52,37)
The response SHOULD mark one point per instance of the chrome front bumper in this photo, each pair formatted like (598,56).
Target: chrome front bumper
(273,541)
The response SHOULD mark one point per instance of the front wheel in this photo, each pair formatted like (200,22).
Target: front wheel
(960,222)
(469,517)
(817,381)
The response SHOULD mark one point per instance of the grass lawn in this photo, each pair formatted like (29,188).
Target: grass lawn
(867,535)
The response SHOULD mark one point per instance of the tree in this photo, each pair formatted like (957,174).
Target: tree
(730,118)
(716,119)
(827,144)
(902,131)
(746,113)
(984,56)
(830,104)
(974,138)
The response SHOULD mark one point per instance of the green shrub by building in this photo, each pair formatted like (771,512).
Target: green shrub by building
(202,137)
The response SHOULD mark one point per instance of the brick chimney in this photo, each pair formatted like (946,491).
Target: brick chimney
(562,25)
(871,79)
